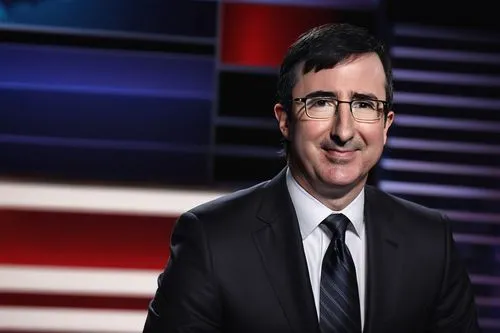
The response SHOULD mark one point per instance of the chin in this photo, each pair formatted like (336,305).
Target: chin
(342,178)
(340,181)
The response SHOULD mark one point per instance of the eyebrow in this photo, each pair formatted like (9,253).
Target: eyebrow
(354,96)
(364,96)
(321,93)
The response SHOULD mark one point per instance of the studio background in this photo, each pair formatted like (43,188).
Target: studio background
(118,115)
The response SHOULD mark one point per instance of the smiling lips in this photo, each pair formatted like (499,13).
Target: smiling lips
(340,153)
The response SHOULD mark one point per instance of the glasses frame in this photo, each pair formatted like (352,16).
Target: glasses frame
(383,111)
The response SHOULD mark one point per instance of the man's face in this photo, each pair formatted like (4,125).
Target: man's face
(336,154)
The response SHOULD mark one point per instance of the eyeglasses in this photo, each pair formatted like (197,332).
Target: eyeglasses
(324,107)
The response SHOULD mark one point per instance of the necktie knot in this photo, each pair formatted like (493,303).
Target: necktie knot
(337,224)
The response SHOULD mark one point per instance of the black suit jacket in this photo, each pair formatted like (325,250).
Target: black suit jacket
(237,265)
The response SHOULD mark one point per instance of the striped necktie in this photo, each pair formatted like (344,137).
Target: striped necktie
(339,298)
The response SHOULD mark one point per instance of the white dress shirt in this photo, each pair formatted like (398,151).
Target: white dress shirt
(310,213)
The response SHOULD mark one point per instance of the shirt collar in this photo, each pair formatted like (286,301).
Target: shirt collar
(310,212)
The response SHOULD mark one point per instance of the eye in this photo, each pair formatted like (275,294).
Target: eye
(319,102)
(365,104)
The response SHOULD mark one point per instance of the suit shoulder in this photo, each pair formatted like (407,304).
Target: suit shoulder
(412,221)
(405,207)
(237,201)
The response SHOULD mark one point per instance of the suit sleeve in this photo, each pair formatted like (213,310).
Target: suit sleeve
(456,309)
(186,299)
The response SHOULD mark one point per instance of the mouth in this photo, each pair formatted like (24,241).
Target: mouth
(340,154)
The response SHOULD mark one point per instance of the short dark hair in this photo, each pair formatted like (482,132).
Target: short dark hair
(323,47)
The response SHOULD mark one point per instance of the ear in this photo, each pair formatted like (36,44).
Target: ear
(388,122)
(282,118)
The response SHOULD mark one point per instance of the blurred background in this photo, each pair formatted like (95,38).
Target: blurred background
(117,115)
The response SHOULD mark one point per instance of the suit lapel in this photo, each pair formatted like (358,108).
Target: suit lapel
(384,260)
(280,245)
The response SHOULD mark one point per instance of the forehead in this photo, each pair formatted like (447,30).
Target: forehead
(360,74)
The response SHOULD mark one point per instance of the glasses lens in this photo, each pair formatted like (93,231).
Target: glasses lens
(367,109)
(320,107)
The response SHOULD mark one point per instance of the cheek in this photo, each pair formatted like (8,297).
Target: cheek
(373,135)
(311,131)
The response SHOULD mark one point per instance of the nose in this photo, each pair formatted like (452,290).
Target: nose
(343,124)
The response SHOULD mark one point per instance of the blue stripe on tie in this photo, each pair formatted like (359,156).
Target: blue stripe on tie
(339,297)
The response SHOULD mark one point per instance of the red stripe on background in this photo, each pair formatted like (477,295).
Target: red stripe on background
(84,239)
(259,35)
(72,301)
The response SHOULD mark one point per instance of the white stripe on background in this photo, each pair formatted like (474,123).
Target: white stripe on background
(488,301)
(448,78)
(436,167)
(485,280)
(435,32)
(447,123)
(477,103)
(477,239)
(445,55)
(78,281)
(431,190)
(473,217)
(100,198)
(71,320)
(446,146)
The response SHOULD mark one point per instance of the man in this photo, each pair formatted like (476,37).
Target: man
(316,249)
